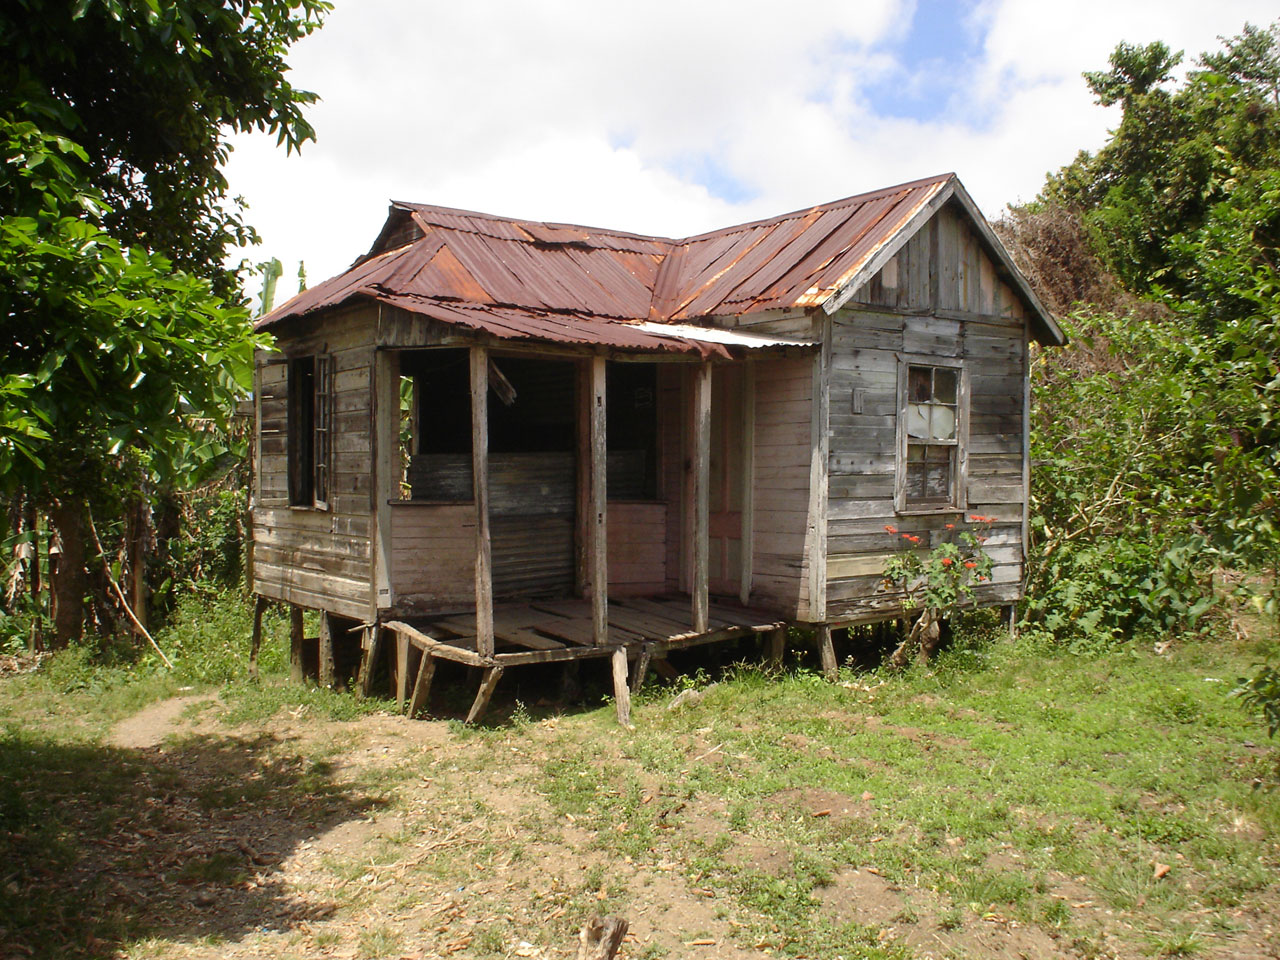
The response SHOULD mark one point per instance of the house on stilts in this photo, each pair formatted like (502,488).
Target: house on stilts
(501,442)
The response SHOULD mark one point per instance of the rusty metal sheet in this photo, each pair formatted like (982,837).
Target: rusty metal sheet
(572,284)
(445,276)
(806,276)
(778,237)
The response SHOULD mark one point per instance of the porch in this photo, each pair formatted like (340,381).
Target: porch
(638,630)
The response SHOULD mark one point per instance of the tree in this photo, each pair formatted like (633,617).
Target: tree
(1160,427)
(123,322)
(151,89)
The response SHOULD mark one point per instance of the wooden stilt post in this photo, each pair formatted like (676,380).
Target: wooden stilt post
(480,486)
(621,692)
(598,544)
(295,644)
(641,669)
(422,686)
(777,647)
(571,681)
(326,664)
(487,684)
(368,659)
(700,552)
(259,608)
(402,669)
(830,669)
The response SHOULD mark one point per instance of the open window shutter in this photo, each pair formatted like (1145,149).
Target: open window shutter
(323,429)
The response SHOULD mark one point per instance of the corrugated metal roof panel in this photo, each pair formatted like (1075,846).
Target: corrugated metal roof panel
(593,277)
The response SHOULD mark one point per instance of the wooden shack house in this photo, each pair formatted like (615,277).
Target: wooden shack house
(501,442)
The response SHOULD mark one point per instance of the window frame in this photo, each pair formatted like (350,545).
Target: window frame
(957,502)
(309,442)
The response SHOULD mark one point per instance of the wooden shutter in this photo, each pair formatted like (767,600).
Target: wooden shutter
(323,444)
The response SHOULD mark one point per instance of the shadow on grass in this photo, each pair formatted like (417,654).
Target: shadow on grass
(101,846)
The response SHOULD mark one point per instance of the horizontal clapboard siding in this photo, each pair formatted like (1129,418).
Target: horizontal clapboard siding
(940,296)
(320,559)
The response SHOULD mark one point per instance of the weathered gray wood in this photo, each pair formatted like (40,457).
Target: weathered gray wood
(747,529)
(621,690)
(599,543)
(1026,441)
(819,454)
(370,646)
(434,647)
(777,645)
(487,685)
(326,667)
(583,492)
(601,937)
(641,668)
(888,251)
(402,669)
(480,480)
(699,549)
(422,685)
(826,649)
(385,480)
(295,644)
(259,608)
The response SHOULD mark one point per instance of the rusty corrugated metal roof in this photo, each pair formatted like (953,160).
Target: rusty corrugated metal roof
(573,284)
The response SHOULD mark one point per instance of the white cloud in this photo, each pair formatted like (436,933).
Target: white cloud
(610,114)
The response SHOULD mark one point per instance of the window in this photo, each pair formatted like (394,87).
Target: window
(931,432)
(310,387)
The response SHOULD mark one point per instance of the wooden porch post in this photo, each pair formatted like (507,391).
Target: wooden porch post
(295,644)
(326,664)
(598,543)
(480,489)
(700,547)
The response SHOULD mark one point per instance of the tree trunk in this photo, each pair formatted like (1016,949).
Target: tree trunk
(69,580)
(33,577)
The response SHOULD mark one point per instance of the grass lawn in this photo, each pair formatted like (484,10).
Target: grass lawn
(1010,800)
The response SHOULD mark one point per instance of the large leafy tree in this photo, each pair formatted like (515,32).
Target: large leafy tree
(1162,423)
(151,89)
(122,322)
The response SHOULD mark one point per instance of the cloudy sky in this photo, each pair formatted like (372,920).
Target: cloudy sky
(671,118)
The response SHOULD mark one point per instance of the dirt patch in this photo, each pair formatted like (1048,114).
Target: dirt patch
(821,804)
(150,725)
(916,915)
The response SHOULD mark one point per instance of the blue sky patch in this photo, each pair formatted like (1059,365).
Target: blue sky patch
(933,58)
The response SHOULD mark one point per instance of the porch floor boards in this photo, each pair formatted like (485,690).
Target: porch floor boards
(561,629)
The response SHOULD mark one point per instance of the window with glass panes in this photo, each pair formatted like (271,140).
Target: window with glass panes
(932,428)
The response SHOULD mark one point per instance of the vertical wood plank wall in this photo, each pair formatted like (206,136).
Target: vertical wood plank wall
(939,297)
(783,403)
(319,559)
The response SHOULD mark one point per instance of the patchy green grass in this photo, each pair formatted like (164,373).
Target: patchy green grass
(1009,798)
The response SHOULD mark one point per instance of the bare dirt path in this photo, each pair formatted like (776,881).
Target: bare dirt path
(150,725)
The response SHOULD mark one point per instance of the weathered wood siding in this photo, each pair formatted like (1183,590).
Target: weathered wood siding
(433,555)
(784,410)
(637,534)
(939,297)
(317,558)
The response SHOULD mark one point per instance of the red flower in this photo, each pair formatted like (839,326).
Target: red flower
(969,564)
(946,561)
(891,529)
(951,526)
(908,536)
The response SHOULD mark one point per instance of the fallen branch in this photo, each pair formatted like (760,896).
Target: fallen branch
(106,569)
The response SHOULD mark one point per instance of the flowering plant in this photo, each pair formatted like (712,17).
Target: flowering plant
(938,581)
